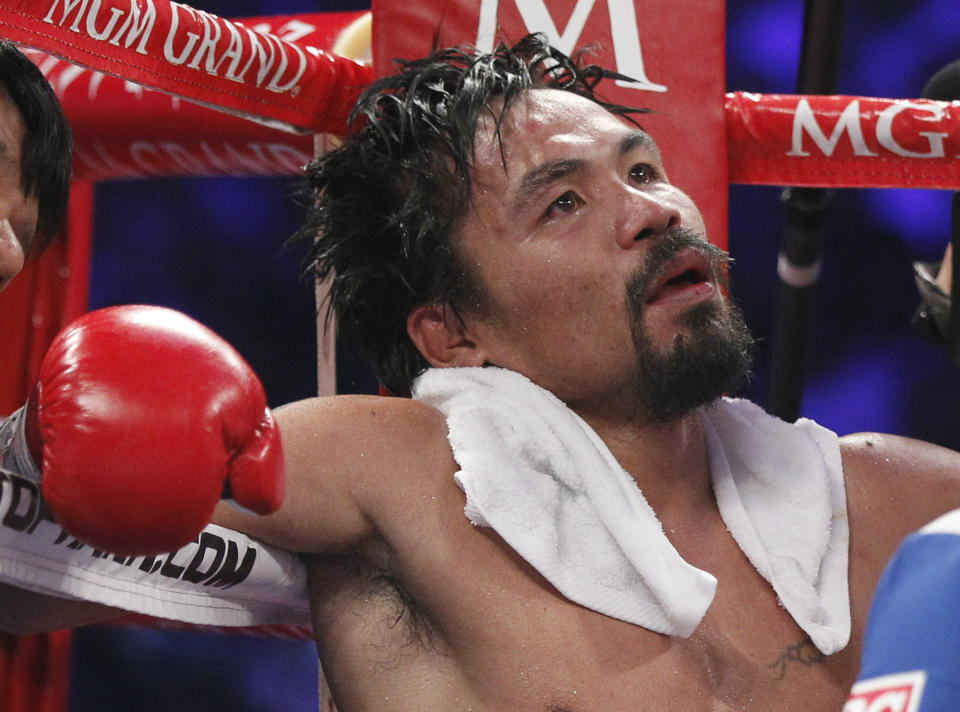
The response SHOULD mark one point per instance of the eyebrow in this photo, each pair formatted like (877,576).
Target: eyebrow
(638,139)
(539,178)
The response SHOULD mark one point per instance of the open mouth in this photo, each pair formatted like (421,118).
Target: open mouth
(688,275)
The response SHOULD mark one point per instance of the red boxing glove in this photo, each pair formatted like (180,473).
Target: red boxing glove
(145,418)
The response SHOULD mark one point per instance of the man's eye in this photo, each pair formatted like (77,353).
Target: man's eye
(566,203)
(643,173)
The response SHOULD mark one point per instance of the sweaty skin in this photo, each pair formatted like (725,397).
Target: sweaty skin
(416,609)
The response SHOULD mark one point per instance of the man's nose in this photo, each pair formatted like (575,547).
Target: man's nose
(11,254)
(646,215)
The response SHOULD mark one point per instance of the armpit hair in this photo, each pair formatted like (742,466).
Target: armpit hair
(405,611)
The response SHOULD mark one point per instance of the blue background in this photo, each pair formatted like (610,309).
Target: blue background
(212,248)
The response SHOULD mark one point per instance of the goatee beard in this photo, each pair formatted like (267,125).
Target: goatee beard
(712,352)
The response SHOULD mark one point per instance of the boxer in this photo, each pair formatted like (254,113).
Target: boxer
(568,515)
(35,158)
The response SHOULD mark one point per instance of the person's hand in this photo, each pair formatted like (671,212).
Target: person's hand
(945,273)
(141,420)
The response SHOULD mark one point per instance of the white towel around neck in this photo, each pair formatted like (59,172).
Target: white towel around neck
(537,474)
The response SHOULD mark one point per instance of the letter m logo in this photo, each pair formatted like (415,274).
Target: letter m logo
(537,17)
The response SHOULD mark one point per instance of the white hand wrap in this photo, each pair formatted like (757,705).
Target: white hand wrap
(223,578)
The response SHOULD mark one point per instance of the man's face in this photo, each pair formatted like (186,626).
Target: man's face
(565,215)
(18,213)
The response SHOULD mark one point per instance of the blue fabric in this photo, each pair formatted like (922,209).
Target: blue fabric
(914,623)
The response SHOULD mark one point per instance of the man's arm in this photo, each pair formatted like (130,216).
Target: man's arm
(895,485)
(899,484)
(352,461)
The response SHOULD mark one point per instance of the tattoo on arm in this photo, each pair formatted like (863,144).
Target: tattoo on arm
(804,652)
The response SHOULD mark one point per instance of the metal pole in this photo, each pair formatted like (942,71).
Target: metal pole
(805,210)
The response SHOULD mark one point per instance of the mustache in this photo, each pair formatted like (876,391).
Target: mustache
(662,252)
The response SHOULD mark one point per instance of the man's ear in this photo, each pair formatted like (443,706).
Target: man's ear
(441,337)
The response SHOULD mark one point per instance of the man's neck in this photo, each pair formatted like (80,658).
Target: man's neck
(669,462)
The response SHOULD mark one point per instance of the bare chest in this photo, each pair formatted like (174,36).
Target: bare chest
(747,654)
(490,634)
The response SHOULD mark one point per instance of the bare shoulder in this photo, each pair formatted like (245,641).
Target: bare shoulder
(367,425)
(349,461)
(899,480)
(878,455)
(362,444)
